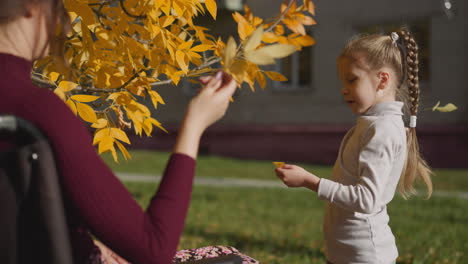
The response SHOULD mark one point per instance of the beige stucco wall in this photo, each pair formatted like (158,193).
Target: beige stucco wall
(321,102)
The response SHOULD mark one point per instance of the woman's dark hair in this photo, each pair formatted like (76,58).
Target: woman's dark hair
(57,19)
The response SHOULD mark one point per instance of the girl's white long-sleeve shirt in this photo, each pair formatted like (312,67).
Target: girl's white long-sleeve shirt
(364,179)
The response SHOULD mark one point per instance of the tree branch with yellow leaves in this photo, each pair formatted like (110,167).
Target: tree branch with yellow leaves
(119,52)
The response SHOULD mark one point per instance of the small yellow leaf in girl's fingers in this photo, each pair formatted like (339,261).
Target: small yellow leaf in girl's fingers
(278,164)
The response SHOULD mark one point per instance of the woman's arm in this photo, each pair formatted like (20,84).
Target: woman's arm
(100,199)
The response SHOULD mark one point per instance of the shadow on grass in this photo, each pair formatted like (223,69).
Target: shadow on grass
(241,241)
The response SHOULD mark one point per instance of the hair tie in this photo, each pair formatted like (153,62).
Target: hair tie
(394,36)
(412,122)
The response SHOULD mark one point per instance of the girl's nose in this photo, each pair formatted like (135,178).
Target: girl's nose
(344,91)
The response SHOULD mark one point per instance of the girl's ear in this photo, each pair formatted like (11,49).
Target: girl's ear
(384,79)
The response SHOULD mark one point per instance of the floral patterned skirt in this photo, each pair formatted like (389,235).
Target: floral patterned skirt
(210,252)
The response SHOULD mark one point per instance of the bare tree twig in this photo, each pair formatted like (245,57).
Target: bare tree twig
(281,17)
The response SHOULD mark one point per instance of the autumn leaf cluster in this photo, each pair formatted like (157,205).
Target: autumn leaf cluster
(119,51)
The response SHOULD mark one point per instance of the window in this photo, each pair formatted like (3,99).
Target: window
(232,5)
(298,69)
(421,32)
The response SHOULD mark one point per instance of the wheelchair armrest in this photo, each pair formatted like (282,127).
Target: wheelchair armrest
(228,259)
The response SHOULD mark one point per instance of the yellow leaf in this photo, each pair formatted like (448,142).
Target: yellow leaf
(211,6)
(259,57)
(295,26)
(269,37)
(99,135)
(278,164)
(53,76)
(137,126)
(310,6)
(157,124)
(238,70)
(84,98)
(435,106)
(308,21)
(201,48)
(261,79)
(185,45)
(276,76)
(306,40)
(230,52)
(447,108)
(254,40)
(114,154)
(168,20)
(106,144)
(119,134)
(72,106)
(86,113)
(123,150)
(156,98)
(60,94)
(101,123)
(279,30)
(278,51)
(147,127)
(180,56)
(67,86)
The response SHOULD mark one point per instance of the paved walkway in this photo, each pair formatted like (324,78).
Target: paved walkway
(251,183)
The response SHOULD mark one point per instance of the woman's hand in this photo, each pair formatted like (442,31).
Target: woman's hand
(211,102)
(108,256)
(206,108)
(295,176)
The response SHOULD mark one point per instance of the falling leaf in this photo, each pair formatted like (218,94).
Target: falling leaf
(447,108)
(435,106)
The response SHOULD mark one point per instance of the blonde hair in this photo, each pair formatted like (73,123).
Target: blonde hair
(402,57)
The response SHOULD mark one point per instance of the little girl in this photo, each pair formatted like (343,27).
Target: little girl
(380,76)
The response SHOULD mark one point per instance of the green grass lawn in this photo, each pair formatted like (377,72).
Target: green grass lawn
(284,225)
(149,162)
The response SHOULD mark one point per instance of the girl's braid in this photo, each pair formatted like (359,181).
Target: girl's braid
(412,69)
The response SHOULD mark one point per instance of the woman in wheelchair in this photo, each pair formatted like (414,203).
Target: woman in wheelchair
(95,201)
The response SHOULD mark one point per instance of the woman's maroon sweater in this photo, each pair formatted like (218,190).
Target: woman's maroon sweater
(95,200)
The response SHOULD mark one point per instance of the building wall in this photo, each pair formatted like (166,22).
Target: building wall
(321,101)
(307,124)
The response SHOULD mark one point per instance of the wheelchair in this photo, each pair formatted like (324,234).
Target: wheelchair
(33,227)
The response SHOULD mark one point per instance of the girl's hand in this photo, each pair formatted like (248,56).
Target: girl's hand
(206,108)
(295,176)
(108,256)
